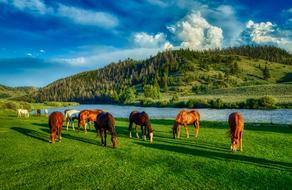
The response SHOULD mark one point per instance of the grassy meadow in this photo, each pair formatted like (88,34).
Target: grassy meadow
(29,161)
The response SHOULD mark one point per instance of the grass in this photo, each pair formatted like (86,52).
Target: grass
(29,161)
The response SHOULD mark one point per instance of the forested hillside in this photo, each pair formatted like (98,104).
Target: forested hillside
(174,73)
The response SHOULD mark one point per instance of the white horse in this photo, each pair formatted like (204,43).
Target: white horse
(22,113)
(46,112)
(70,116)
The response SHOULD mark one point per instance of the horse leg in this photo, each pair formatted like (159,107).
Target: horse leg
(104,137)
(144,132)
(73,126)
(101,136)
(60,134)
(85,130)
(241,148)
(197,127)
(130,128)
(52,135)
(178,131)
(187,130)
(137,134)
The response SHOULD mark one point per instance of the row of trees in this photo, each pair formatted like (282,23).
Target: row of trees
(119,82)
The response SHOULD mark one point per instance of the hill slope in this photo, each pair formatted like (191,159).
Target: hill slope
(10,92)
(184,72)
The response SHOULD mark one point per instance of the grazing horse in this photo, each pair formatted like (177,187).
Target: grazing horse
(22,113)
(87,115)
(46,112)
(236,125)
(105,121)
(70,116)
(55,123)
(142,119)
(185,118)
(38,112)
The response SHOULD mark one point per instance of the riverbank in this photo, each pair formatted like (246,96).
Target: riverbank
(29,161)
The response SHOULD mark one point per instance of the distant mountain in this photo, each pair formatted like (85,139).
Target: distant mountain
(184,72)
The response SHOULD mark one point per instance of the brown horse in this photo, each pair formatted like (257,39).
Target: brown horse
(236,125)
(185,118)
(105,121)
(55,123)
(142,119)
(87,115)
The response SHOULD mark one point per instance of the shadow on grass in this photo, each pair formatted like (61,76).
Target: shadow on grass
(32,133)
(222,156)
(46,136)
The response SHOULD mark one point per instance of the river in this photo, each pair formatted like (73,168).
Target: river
(283,116)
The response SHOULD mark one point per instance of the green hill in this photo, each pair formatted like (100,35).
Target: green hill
(16,92)
(182,73)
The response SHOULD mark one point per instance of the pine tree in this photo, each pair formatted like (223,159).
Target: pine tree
(266,73)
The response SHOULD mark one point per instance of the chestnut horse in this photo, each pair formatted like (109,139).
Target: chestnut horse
(87,115)
(186,118)
(55,123)
(142,119)
(105,121)
(236,125)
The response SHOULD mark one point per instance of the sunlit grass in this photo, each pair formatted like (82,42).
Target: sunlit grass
(29,161)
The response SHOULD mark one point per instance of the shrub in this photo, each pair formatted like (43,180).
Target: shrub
(267,102)
(10,105)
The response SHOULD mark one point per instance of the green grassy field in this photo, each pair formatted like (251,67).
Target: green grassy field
(29,161)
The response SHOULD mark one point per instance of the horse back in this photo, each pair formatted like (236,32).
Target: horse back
(236,123)
(56,120)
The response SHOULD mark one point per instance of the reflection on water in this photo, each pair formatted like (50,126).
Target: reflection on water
(268,116)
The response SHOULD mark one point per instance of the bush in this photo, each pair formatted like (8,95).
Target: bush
(267,102)
(218,103)
(197,103)
(152,91)
(10,105)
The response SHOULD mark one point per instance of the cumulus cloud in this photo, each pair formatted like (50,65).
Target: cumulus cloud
(145,40)
(267,33)
(86,17)
(195,32)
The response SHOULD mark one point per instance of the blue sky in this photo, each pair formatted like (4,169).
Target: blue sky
(45,40)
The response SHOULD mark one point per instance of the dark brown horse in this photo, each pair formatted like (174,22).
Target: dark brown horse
(56,124)
(142,119)
(186,118)
(38,112)
(105,121)
(87,115)
(236,125)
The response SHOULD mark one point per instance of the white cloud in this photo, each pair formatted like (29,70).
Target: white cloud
(36,6)
(226,9)
(145,40)
(267,33)
(42,51)
(86,17)
(76,15)
(102,57)
(76,61)
(159,3)
(195,32)
(29,54)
